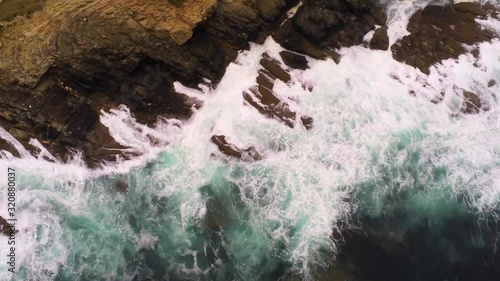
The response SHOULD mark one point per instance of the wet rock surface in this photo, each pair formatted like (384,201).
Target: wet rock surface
(439,33)
(248,154)
(472,103)
(319,27)
(63,65)
(4,227)
(262,97)
(294,60)
(380,40)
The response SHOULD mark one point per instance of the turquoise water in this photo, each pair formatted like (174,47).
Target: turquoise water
(377,159)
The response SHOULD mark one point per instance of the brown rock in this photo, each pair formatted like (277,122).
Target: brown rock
(315,22)
(380,40)
(69,61)
(290,38)
(492,83)
(471,8)
(471,104)
(262,97)
(232,150)
(307,122)
(321,26)
(438,33)
(274,69)
(270,9)
(4,227)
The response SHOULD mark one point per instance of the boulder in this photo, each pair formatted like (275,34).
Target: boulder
(380,40)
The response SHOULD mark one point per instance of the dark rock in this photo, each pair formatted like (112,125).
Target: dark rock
(315,22)
(3,224)
(232,150)
(106,56)
(272,107)
(359,4)
(294,60)
(290,38)
(274,69)
(471,104)
(7,146)
(307,122)
(270,9)
(321,26)
(471,8)
(5,227)
(438,33)
(262,97)
(380,40)
(492,83)
(336,5)
(121,186)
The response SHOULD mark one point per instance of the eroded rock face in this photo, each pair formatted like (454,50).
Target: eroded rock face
(438,33)
(69,61)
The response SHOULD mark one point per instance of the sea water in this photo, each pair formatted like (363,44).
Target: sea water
(375,152)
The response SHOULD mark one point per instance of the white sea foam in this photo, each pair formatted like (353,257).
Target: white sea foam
(361,108)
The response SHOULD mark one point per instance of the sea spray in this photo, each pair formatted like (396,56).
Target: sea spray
(375,151)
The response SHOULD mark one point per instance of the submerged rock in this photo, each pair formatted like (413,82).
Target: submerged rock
(122,186)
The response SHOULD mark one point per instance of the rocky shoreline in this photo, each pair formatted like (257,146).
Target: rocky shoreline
(63,64)
(66,62)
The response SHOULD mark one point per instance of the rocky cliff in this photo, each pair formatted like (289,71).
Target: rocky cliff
(67,61)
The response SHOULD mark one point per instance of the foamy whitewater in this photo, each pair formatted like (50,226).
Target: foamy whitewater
(372,143)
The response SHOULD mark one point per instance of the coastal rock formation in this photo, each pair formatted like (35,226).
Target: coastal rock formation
(438,33)
(68,61)
(294,60)
(249,154)
(266,101)
(321,26)
(4,226)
